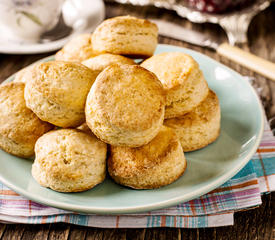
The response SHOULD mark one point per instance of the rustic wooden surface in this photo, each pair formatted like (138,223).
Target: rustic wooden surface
(258,223)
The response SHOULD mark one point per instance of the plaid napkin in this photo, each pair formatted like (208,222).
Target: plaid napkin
(211,210)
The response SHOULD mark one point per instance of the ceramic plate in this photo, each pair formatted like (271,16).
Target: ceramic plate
(208,168)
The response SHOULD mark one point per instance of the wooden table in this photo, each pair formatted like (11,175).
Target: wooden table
(253,224)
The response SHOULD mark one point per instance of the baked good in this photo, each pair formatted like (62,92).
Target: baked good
(68,160)
(19,126)
(126,35)
(22,75)
(125,106)
(182,79)
(200,127)
(77,49)
(98,63)
(57,91)
(153,165)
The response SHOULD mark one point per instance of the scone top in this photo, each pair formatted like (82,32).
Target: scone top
(57,79)
(99,63)
(172,69)
(182,80)
(56,92)
(139,25)
(126,101)
(77,49)
(129,97)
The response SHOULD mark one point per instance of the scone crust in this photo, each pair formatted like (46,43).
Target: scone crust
(125,105)
(153,165)
(57,91)
(68,160)
(126,35)
(172,68)
(77,49)
(19,126)
(182,79)
(200,127)
(99,63)
(23,74)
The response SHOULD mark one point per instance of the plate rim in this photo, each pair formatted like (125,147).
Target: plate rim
(161,204)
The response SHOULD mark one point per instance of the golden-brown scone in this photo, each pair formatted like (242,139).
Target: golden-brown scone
(68,160)
(100,62)
(181,78)
(153,165)
(22,75)
(125,106)
(77,49)
(57,91)
(126,35)
(19,126)
(200,127)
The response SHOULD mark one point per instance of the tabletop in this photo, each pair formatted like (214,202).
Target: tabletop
(258,223)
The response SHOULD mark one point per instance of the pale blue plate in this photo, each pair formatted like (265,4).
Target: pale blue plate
(241,131)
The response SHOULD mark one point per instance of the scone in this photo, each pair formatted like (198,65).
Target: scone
(182,79)
(68,160)
(23,74)
(126,35)
(19,126)
(77,49)
(125,106)
(57,91)
(200,127)
(99,63)
(153,165)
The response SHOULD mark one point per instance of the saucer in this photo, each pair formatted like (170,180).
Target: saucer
(57,37)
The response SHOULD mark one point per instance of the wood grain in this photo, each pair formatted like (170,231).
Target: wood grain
(258,223)
(35,232)
(2,229)
(59,231)
(13,232)
(95,234)
(135,234)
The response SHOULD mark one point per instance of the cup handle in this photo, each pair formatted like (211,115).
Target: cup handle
(80,25)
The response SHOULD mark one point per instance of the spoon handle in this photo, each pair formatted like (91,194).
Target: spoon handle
(246,59)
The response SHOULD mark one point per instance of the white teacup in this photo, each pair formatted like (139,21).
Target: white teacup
(26,20)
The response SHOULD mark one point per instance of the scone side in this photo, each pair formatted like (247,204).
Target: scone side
(133,167)
(200,127)
(16,149)
(135,37)
(19,126)
(57,156)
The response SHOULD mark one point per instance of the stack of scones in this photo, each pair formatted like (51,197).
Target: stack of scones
(95,99)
